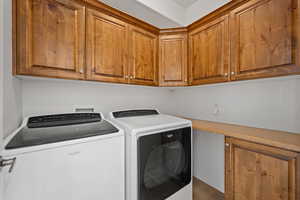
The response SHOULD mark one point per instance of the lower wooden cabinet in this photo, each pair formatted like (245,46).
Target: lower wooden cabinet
(255,171)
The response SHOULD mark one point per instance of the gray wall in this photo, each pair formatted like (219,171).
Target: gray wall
(1,71)
(12,86)
(1,88)
(41,96)
(265,103)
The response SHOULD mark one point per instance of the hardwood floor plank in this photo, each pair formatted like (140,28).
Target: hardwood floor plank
(202,191)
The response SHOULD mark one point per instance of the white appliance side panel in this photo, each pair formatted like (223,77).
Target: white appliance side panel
(209,159)
(92,171)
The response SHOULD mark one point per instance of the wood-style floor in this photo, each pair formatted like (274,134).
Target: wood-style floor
(202,191)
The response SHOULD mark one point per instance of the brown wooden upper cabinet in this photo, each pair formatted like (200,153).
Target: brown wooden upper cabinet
(265,39)
(173,60)
(86,39)
(106,48)
(51,38)
(209,52)
(143,57)
(255,171)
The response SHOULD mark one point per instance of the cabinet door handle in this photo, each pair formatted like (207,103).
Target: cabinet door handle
(227,145)
(81,71)
(232,73)
(226,74)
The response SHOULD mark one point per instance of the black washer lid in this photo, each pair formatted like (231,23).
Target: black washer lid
(134,113)
(62,120)
(48,129)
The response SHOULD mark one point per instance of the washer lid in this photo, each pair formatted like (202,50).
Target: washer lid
(57,128)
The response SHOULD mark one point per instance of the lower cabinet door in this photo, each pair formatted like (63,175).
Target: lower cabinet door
(255,171)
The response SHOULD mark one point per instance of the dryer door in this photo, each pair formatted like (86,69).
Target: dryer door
(164,161)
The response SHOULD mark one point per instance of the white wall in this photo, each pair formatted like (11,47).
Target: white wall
(209,158)
(266,103)
(42,96)
(1,90)
(12,86)
(1,72)
(201,8)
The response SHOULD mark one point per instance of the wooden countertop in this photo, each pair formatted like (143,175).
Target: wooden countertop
(280,139)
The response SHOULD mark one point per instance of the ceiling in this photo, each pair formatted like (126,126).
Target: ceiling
(167,13)
(185,3)
(140,11)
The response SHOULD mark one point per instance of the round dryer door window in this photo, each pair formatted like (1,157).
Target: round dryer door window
(164,163)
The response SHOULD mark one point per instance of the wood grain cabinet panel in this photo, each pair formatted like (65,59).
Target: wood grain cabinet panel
(173,60)
(107,48)
(50,38)
(143,57)
(256,171)
(265,39)
(209,52)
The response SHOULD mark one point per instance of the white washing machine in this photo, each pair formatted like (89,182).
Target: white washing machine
(64,157)
(158,155)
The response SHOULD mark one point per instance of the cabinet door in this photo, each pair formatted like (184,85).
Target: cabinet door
(256,171)
(173,60)
(50,38)
(265,39)
(106,48)
(209,52)
(143,65)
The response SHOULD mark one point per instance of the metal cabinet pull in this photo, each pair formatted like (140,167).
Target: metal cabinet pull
(7,162)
